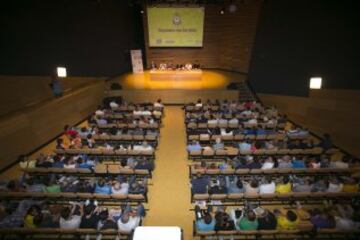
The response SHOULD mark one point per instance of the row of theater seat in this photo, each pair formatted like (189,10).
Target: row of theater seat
(242,137)
(275,171)
(125,137)
(235,152)
(100,169)
(99,151)
(303,233)
(293,196)
(59,233)
(69,196)
(127,125)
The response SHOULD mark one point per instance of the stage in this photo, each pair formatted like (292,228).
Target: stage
(141,88)
(189,80)
(177,75)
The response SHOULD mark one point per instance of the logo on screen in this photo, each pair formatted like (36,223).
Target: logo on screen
(176,19)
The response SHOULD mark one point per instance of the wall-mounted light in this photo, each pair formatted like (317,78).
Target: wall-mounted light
(61,72)
(315,82)
(222,11)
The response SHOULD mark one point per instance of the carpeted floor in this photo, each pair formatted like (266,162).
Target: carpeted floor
(169,196)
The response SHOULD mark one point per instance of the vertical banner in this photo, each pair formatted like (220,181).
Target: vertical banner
(136,60)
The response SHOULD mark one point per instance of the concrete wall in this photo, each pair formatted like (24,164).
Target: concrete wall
(26,130)
(325,111)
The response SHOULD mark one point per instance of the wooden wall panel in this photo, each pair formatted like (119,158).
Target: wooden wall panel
(325,111)
(17,92)
(227,42)
(24,131)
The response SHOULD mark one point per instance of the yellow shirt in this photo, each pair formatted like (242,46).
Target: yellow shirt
(283,188)
(29,221)
(284,224)
(350,187)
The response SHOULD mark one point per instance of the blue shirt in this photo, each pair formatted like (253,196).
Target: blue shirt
(194,147)
(199,185)
(202,226)
(244,146)
(297,163)
(106,189)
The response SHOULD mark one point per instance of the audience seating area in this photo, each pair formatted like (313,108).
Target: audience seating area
(255,175)
(95,180)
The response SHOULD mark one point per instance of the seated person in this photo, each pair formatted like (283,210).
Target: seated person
(298,163)
(234,184)
(207,223)
(334,185)
(218,145)
(284,186)
(268,164)
(130,218)
(102,187)
(266,220)
(350,185)
(245,146)
(285,162)
(199,184)
(252,187)
(302,184)
(286,221)
(143,147)
(120,188)
(267,185)
(194,146)
(321,219)
(70,217)
(249,221)
(223,222)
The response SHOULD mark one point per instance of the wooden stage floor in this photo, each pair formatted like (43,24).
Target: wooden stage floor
(210,80)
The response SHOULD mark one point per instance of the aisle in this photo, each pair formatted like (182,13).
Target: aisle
(169,196)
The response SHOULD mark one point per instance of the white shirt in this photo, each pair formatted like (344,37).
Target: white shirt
(114,105)
(267,188)
(130,225)
(267,165)
(335,188)
(99,113)
(123,190)
(72,223)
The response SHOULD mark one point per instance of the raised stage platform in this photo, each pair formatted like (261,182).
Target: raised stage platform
(177,75)
(212,85)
